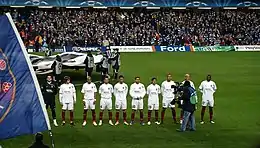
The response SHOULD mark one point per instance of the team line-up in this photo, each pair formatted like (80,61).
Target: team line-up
(137,91)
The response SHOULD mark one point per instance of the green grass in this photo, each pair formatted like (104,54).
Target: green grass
(236,105)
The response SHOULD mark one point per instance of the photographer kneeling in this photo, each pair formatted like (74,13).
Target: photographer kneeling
(189,98)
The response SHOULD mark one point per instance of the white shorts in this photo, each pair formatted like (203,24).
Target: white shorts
(68,106)
(137,104)
(89,104)
(209,103)
(167,103)
(153,106)
(106,104)
(121,104)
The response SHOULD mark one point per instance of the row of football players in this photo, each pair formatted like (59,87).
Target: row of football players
(67,98)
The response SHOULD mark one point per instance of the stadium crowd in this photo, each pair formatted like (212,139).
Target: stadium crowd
(95,27)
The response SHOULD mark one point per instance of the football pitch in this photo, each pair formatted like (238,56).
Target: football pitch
(237,75)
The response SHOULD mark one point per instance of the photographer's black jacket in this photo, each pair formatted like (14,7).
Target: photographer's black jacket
(187,106)
(89,61)
(49,90)
(116,59)
(38,145)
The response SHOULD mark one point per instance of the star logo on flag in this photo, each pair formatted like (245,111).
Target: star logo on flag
(2,64)
(6,86)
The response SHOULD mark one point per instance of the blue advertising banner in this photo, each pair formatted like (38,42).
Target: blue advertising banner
(132,3)
(172,48)
(22,109)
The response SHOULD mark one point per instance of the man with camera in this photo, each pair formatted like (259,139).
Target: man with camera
(189,98)
(186,78)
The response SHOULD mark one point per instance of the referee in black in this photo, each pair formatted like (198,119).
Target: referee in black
(49,90)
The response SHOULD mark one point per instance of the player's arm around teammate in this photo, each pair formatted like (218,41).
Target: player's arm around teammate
(207,88)
(137,92)
(120,93)
(67,99)
(105,91)
(89,91)
(168,95)
(153,91)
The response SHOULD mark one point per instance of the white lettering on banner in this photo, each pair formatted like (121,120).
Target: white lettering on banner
(133,48)
(78,49)
(29,50)
(171,49)
(58,50)
(247,48)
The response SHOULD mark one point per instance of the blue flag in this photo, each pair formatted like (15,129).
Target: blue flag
(22,108)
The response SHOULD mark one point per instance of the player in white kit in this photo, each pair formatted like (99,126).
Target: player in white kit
(106,91)
(89,91)
(167,91)
(67,97)
(153,91)
(120,92)
(207,88)
(137,92)
(186,78)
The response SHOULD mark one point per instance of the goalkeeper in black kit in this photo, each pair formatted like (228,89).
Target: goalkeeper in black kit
(49,90)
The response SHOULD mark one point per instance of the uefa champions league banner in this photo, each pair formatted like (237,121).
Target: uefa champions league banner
(214,48)
(22,109)
(132,3)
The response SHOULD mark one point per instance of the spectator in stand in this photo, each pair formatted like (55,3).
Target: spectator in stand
(95,27)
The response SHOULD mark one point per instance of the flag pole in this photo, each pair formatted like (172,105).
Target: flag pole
(52,139)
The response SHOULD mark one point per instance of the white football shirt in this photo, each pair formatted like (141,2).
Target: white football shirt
(106,90)
(167,90)
(120,91)
(89,90)
(153,92)
(137,90)
(207,88)
(67,93)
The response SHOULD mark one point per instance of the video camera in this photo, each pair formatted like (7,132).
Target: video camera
(178,87)
(178,91)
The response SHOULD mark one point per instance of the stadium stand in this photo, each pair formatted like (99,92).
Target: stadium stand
(103,27)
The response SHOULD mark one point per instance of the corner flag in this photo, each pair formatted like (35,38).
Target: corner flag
(22,109)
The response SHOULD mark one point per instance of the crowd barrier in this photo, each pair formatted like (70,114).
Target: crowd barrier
(189,48)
